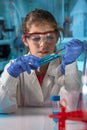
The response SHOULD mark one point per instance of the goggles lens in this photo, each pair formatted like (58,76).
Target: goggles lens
(38,37)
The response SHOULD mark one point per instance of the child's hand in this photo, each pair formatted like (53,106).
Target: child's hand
(73,49)
(24,63)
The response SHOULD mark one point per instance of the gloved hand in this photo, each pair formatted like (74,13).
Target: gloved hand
(73,49)
(24,63)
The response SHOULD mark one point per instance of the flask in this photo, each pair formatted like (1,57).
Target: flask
(55,105)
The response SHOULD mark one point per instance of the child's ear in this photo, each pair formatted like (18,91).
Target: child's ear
(24,39)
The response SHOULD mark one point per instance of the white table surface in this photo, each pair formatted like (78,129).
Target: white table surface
(34,119)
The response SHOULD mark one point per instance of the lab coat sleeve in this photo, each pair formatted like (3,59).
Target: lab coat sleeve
(71,89)
(8,103)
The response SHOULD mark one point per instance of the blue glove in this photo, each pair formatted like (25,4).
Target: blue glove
(24,63)
(73,49)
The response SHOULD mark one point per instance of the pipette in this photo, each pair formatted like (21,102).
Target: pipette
(51,57)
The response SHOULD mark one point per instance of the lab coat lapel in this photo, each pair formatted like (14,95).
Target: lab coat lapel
(49,78)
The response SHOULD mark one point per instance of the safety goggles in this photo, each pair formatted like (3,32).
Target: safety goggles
(37,37)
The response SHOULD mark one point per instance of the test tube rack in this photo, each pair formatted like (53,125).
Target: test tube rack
(78,115)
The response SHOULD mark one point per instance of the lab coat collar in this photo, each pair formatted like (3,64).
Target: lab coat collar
(53,68)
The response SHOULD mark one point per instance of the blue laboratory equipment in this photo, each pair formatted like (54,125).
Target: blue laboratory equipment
(55,105)
(51,57)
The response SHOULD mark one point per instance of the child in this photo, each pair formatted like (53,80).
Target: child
(21,84)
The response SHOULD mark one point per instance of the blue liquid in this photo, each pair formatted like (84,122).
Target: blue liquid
(55,119)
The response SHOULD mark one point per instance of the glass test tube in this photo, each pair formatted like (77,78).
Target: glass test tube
(55,105)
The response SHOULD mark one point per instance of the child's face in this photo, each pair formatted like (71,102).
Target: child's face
(43,40)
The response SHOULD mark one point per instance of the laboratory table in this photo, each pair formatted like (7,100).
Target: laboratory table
(34,119)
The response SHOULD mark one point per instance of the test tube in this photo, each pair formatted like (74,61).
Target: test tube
(55,105)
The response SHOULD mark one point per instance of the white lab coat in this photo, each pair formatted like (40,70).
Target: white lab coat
(26,90)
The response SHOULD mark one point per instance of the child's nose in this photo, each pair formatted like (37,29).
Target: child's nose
(43,41)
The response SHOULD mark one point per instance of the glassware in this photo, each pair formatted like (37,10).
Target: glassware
(51,57)
(55,105)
